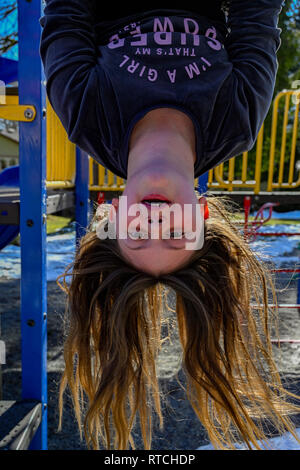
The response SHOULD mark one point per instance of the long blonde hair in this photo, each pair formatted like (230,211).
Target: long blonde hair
(225,322)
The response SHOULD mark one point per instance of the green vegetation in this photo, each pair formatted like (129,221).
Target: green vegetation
(54,224)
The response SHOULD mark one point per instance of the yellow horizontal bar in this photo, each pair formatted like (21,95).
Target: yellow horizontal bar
(17,112)
(106,188)
(9,100)
(293,185)
(250,184)
(60,184)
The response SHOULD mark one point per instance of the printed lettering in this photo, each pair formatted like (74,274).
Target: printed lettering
(142,41)
(186,22)
(191,69)
(206,62)
(163,38)
(133,66)
(196,39)
(142,71)
(133,28)
(152,75)
(172,75)
(144,51)
(116,42)
(126,58)
(168,25)
(211,34)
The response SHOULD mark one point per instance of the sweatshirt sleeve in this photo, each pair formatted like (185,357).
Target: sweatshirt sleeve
(241,107)
(69,57)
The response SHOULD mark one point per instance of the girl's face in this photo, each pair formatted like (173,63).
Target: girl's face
(159,221)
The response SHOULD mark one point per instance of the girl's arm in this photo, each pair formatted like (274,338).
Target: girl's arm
(242,105)
(68,53)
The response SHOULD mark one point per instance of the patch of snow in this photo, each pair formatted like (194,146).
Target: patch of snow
(284,442)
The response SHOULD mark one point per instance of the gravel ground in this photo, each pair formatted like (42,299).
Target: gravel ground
(182,430)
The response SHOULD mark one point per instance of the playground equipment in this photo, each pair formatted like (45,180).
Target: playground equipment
(54,175)
(34,204)
(9,189)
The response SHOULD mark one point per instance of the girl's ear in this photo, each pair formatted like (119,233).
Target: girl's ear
(113,209)
(202,200)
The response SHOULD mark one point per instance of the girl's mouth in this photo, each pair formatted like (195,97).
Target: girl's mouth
(155,200)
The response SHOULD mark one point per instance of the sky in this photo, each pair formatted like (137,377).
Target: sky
(11,24)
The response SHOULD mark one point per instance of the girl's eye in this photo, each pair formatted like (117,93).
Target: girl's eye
(138,235)
(176,234)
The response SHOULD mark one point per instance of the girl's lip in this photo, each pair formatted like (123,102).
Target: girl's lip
(155,196)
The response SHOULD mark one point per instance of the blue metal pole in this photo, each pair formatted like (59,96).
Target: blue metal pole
(202,183)
(82,193)
(33,218)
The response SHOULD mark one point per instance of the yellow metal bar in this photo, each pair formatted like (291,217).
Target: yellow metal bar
(231,164)
(10,100)
(70,161)
(245,167)
(60,184)
(294,185)
(110,178)
(258,160)
(294,142)
(218,176)
(48,146)
(120,181)
(60,152)
(22,113)
(101,175)
(105,188)
(49,139)
(273,141)
(57,155)
(283,138)
(236,184)
(63,155)
(221,168)
(210,177)
(91,171)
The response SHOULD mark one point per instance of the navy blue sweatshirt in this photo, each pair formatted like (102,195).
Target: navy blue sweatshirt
(104,73)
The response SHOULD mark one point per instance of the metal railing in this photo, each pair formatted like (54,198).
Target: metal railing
(234,174)
(290,183)
(61,153)
(225,176)
(289,115)
(216,178)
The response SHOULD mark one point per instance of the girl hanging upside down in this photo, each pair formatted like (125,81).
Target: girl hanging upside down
(159,96)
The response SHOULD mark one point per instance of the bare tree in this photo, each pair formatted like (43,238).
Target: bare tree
(9,37)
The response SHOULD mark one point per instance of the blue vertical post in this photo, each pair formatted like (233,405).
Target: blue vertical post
(33,215)
(202,183)
(82,193)
(298,292)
